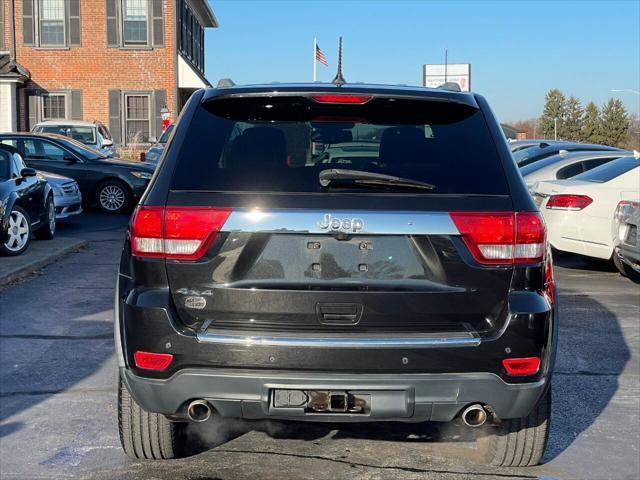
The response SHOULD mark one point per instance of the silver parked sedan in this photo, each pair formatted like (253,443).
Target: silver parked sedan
(66,195)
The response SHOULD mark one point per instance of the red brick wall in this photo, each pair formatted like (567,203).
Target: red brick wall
(94,68)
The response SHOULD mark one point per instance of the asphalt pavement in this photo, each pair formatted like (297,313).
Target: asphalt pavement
(58,416)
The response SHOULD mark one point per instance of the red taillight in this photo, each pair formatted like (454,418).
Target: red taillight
(341,98)
(182,233)
(152,361)
(521,366)
(502,237)
(568,202)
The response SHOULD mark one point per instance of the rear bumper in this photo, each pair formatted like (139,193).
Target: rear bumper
(407,397)
(629,255)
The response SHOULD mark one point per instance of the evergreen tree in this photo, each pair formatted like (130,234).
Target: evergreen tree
(591,127)
(615,123)
(572,127)
(554,110)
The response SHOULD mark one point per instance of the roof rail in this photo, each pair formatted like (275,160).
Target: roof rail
(225,83)
(450,86)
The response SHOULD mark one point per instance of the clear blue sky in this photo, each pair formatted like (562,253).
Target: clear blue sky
(517,50)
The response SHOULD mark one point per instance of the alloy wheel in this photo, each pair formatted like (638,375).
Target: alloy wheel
(112,198)
(18,233)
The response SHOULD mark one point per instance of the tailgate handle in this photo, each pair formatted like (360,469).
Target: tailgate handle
(339,313)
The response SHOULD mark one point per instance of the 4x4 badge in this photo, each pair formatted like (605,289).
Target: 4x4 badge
(335,224)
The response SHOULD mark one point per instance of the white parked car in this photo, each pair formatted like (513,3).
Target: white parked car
(92,134)
(566,165)
(579,211)
(626,221)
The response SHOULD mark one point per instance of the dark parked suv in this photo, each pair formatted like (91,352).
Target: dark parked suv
(260,283)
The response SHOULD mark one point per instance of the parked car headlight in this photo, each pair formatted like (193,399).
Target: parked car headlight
(142,175)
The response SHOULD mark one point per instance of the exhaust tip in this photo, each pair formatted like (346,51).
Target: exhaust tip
(474,415)
(199,411)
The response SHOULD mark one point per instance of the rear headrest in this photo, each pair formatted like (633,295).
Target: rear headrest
(401,145)
(258,146)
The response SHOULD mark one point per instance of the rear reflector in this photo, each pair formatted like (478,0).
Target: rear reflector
(182,233)
(521,366)
(152,361)
(568,202)
(340,98)
(502,237)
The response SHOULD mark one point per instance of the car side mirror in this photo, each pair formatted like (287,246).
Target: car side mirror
(153,140)
(28,172)
(70,159)
(107,142)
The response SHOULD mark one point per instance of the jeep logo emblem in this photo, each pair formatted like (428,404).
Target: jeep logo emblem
(334,224)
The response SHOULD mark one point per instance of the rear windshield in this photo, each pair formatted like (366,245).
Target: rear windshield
(281,144)
(82,134)
(609,171)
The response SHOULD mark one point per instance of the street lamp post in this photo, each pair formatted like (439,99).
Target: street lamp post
(555,128)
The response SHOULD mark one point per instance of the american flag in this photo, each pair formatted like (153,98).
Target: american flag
(320,56)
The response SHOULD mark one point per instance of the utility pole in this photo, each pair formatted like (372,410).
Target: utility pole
(555,128)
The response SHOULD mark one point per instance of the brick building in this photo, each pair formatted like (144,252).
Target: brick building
(117,61)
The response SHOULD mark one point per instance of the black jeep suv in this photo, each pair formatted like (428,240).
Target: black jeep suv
(410,283)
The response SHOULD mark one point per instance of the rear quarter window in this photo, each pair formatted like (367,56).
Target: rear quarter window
(281,144)
(609,171)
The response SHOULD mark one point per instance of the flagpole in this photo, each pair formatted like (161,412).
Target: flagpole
(315,48)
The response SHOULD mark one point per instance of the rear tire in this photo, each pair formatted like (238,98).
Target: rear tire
(146,435)
(624,269)
(48,228)
(519,442)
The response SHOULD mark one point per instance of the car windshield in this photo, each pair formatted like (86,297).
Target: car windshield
(81,149)
(5,161)
(609,171)
(522,155)
(83,134)
(281,144)
(165,135)
(535,166)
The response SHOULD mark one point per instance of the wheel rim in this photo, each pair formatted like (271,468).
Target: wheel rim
(112,197)
(18,233)
(51,215)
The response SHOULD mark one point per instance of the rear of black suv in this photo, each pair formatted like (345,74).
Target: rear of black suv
(342,254)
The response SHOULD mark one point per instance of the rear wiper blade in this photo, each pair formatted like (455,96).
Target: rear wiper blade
(330,175)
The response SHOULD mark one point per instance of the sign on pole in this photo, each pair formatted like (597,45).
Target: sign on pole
(435,75)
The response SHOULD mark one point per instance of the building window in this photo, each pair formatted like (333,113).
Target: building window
(135,22)
(137,118)
(54,107)
(191,44)
(52,15)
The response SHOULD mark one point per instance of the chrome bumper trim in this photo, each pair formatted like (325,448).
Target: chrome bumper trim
(341,342)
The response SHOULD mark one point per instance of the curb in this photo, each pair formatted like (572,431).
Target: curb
(21,271)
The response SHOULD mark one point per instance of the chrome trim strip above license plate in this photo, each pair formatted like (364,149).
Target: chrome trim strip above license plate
(360,222)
